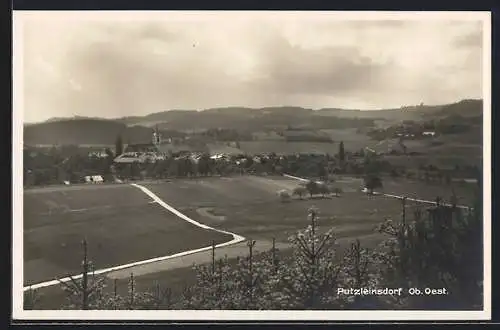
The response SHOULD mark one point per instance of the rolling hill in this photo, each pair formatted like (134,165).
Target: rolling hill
(82,130)
(87,131)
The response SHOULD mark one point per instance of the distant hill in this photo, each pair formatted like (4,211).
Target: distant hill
(156,117)
(72,118)
(82,130)
(216,117)
(241,118)
(464,108)
(86,131)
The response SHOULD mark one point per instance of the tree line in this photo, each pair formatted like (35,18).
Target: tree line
(70,164)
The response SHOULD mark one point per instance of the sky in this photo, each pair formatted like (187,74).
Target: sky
(114,64)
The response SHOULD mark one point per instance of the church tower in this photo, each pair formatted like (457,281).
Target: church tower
(156,137)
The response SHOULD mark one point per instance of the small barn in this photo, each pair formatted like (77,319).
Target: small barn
(94,179)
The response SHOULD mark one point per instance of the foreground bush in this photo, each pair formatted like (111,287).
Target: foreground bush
(441,248)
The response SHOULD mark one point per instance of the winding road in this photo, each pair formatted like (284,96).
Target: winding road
(236,239)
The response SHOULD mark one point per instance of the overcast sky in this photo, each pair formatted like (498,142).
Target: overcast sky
(112,65)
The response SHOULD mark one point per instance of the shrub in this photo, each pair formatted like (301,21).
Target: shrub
(300,191)
(429,253)
(284,195)
(372,182)
(87,292)
(31,299)
(323,189)
(312,187)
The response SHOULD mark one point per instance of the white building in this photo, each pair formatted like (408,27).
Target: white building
(98,154)
(94,179)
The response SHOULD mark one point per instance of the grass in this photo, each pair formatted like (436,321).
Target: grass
(221,148)
(352,139)
(465,192)
(133,229)
(120,225)
(438,158)
(175,279)
(252,208)
(52,298)
(283,147)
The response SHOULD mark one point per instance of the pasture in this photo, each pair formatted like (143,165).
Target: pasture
(120,223)
(123,225)
(353,140)
(249,206)
(289,148)
(441,159)
(221,148)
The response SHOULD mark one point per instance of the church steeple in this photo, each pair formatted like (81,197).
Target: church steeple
(156,136)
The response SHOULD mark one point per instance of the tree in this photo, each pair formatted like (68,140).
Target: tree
(189,167)
(323,189)
(322,172)
(173,169)
(109,161)
(312,187)
(394,173)
(87,292)
(430,251)
(135,170)
(118,145)
(300,192)
(284,196)
(372,182)
(403,146)
(203,164)
(426,175)
(447,178)
(341,152)
(109,153)
(31,298)
(160,168)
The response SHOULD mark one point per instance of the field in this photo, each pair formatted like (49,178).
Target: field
(123,225)
(249,206)
(283,147)
(353,141)
(120,223)
(220,148)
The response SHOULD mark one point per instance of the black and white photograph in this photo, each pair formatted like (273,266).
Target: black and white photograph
(258,165)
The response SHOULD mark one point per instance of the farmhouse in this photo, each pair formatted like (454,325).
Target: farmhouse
(98,154)
(93,179)
(219,156)
(139,157)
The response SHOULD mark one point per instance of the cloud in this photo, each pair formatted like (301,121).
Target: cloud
(122,67)
(470,40)
(326,71)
